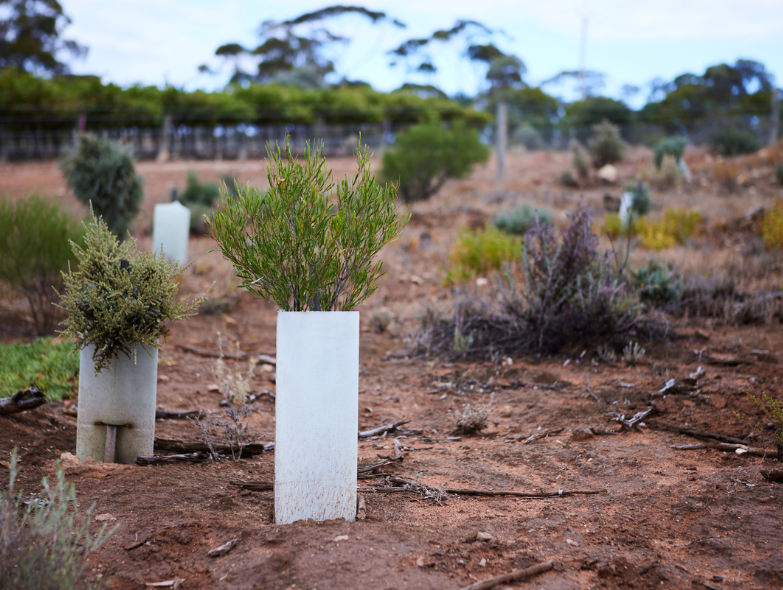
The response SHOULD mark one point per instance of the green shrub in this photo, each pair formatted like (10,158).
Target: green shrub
(120,297)
(34,241)
(200,197)
(779,173)
(567,179)
(102,174)
(676,226)
(528,136)
(772,226)
(581,160)
(606,146)
(674,146)
(428,154)
(308,244)
(613,226)
(518,221)
(45,545)
(480,251)
(772,408)
(656,285)
(640,200)
(48,364)
(733,141)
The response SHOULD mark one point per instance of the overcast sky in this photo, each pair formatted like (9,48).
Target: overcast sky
(159,41)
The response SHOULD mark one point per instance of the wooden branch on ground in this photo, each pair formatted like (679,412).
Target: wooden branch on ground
(21,401)
(237,356)
(775,474)
(381,429)
(255,486)
(632,422)
(730,448)
(370,468)
(266,359)
(694,432)
(513,576)
(540,435)
(517,494)
(178,414)
(183,447)
(146,460)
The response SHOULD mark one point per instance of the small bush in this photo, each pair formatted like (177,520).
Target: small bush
(427,155)
(726,174)
(606,146)
(34,241)
(234,386)
(656,285)
(48,364)
(772,408)
(518,221)
(779,173)
(676,226)
(199,197)
(580,160)
(673,146)
(633,353)
(734,141)
(528,136)
(613,226)
(102,174)
(472,418)
(119,297)
(667,175)
(45,544)
(567,179)
(640,199)
(772,226)
(480,251)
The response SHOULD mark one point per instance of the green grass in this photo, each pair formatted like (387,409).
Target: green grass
(46,363)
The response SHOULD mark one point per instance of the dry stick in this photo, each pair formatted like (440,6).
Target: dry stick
(178,414)
(171,459)
(21,401)
(540,435)
(256,486)
(773,453)
(775,474)
(695,433)
(237,356)
(182,446)
(513,576)
(515,493)
(381,429)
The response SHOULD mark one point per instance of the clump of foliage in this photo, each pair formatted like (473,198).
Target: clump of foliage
(580,159)
(473,417)
(45,541)
(48,364)
(656,285)
(726,174)
(571,293)
(428,154)
(633,353)
(480,251)
(640,199)
(772,408)
(772,226)
(779,173)
(519,220)
(119,297)
(606,146)
(676,226)
(567,179)
(34,240)
(102,174)
(731,140)
(199,197)
(613,226)
(234,385)
(673,146)
(233,434)
(297,247)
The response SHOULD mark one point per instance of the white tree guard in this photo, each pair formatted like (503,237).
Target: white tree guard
(122,396)
(317,415)
(171,231)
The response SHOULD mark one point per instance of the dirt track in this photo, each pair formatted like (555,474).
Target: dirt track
(667,518)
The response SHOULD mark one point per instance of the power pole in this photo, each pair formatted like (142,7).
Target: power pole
(774,128)
(501,140)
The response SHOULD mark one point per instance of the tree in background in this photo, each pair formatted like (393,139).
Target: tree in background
(582,115)
(30,37)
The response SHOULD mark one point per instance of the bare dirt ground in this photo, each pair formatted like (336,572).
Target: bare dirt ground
(662,518)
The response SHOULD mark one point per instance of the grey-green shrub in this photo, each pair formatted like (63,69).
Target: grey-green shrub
(45,544)
(674,146)
(428,154)
(102,173)
(606,146)
(640,201)
(580,160)
(779,173)
(308,244)
(200,197)
(656,285)
(519,220)
(35,237)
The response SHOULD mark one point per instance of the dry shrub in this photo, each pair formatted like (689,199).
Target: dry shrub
(726,173)
(719,297)
(668,176)
(234,385)
(772,226)
(472,418)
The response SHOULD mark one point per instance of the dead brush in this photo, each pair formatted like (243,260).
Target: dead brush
(234,433)
(607,354)
(472,418)
(234,385)
(726,174)
(633,353)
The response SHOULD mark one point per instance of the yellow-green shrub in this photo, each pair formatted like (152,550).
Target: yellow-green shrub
(676,226)
(772,226)
(480,251)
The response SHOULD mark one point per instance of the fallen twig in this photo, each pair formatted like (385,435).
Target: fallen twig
(178,415)
(256,486)
(513,576)
(182,447)
(370,468)
(237,356)
(21,401)
(632,422)
(693,432)
(775,474)
(381,429)
(223,549)
(540,435)
(171,459)
(744,449)
(515,493)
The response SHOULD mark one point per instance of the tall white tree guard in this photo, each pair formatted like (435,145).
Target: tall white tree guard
(171,231)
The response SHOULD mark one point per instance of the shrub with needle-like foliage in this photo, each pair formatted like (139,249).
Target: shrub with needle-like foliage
(119,297)
(306,243)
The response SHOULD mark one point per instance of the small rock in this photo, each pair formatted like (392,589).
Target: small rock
(417,280)
(608,174)
(420,561)
(482,282)
(213,388)
(483,537)
(580,434)
(164,378)
(104,517)
(701,334)
(339,538)
(572,543)
(483,562)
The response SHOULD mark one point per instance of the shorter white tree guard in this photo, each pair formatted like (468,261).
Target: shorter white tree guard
(122,396)
(171,230)
(316,415)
